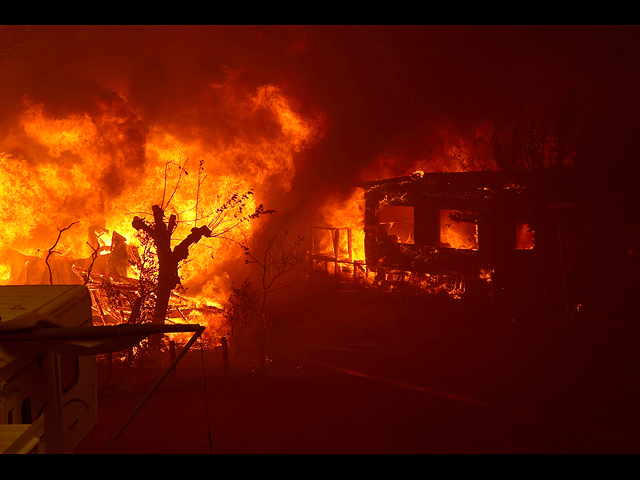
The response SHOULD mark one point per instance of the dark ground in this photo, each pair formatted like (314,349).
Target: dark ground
(355,372)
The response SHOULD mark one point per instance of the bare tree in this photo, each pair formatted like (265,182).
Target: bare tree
(276,260)
(535,141)
(216,224)
(242,303)
(168,259)
(52,251)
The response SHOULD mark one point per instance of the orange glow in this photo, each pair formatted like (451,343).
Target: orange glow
(457,234)
(443,149)
(99,168)
(524,237)
(349,213)
(398,222)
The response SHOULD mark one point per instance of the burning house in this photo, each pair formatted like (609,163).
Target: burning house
(497,233)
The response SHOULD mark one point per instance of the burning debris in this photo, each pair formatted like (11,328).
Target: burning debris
(100,167)
(168,259)
(459,231)
(92,138)
(101,148)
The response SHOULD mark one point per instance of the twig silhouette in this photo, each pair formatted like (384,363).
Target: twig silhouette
(51,250)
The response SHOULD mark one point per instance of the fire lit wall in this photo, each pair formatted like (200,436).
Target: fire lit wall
(471,223)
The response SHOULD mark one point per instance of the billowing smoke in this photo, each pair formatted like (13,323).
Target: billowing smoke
(91,116)
(103,122)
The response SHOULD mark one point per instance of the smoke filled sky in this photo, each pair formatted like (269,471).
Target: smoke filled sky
(379,88)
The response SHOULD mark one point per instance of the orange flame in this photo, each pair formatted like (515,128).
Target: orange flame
(456,234)
(99,168)
(349,213)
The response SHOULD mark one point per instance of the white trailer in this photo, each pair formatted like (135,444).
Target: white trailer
(48,375)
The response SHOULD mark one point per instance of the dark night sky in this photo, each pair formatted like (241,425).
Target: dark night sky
(381,87)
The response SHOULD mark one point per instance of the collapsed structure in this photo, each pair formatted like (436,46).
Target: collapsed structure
(495,232)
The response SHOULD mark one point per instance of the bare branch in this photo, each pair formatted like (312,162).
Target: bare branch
(230,214)
(52,251)
(278,258)
(181,168)
(200,181)
(181,251)
(94,256)
(139,224)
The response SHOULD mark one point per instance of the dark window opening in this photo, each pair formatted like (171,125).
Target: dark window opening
(397,224)
(458,229)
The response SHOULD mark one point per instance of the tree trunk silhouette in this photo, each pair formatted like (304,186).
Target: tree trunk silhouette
(168,259)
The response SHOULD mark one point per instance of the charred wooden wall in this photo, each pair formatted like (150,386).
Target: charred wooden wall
(522,280)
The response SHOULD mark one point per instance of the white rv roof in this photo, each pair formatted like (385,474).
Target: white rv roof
(23,306)
(33,314)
